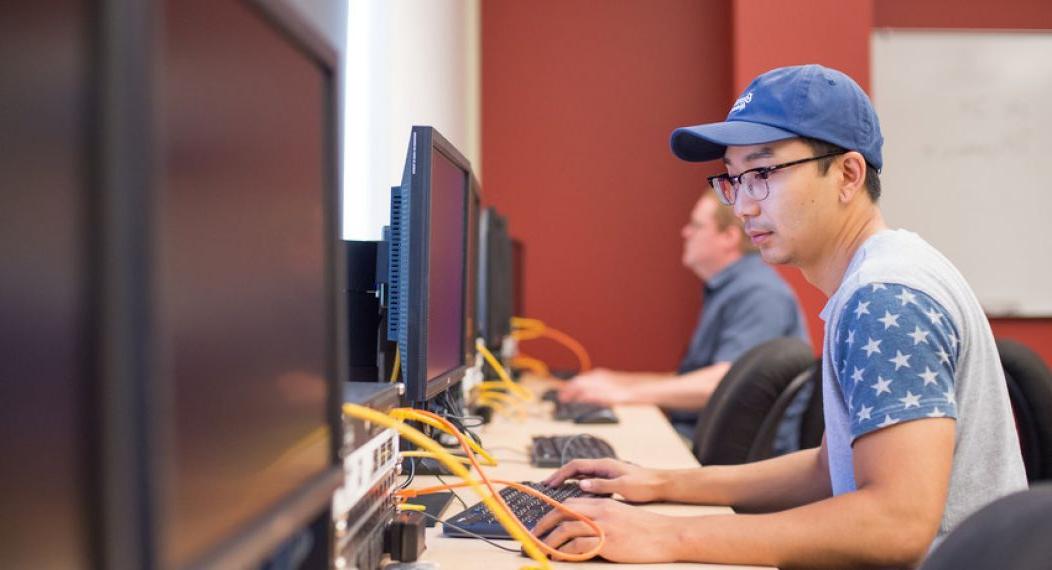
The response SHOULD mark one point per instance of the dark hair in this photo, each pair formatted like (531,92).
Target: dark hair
(822,147)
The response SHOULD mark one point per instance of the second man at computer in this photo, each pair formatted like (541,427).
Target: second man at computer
(745,303)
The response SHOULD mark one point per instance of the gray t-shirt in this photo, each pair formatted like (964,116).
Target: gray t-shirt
(906,339)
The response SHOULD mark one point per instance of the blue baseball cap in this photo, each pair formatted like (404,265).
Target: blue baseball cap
(788,102)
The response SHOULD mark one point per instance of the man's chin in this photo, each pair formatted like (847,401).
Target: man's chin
(773,256)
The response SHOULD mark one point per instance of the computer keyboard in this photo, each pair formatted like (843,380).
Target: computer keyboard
(583,413)
(557,450)
(528,509)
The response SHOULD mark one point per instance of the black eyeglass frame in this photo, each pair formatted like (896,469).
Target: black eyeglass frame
(763,172)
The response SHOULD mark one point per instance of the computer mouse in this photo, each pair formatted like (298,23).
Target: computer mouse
(597,416)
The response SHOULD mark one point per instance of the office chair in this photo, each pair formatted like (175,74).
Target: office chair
(1030,390)
(813,422)
(799,392)
(737,413)
(1012,532)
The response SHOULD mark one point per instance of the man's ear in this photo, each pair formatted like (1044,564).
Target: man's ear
(852,176)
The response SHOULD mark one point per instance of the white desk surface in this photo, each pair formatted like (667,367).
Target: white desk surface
(643,436)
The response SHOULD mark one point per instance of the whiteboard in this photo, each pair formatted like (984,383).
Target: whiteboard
(967,123)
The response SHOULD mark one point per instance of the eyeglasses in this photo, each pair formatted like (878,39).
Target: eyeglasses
(754,180)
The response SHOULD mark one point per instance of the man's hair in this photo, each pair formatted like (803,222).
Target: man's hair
(822,147)
(725,218)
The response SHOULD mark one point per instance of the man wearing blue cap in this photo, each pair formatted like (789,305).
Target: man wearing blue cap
(919,430)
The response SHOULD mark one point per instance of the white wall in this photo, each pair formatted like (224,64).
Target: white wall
(966,120)
(408,62)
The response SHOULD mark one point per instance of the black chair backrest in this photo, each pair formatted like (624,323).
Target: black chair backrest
(1012,532)
(730,422)
(813,423)
(799,388)
(1030,390)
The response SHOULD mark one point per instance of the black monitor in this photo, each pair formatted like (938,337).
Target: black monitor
(495,278)
(168,317)
(429,310)
(246,279)
(48,287)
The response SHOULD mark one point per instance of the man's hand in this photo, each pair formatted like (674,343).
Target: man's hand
(609,476)
(600,386)
(632,534)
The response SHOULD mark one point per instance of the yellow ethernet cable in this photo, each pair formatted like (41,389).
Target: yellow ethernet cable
(429,455)
(529,329)
(406,493)
(534,365)
(397,365)
(491,499)
(488,400)
(512,387)
(440,423)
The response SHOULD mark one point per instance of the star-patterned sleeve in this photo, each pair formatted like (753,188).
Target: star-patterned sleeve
(896,357)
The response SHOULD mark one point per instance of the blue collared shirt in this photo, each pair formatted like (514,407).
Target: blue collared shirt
(745,305)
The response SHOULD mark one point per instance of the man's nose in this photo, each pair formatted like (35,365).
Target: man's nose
(746,206)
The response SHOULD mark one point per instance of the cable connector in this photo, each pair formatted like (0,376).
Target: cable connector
(404,539)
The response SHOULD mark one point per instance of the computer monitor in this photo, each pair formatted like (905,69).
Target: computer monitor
(48,287)
(495,278)
(247,279)
(429,311)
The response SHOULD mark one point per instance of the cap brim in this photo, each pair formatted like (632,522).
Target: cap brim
(708,142)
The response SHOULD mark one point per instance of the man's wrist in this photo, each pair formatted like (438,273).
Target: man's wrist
(665,484)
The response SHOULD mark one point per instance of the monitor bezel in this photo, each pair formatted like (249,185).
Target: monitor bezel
(260,537)
(419,388)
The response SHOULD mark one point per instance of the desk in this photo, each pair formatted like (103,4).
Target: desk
(644,436)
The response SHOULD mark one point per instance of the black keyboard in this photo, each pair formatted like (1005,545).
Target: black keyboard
(557,450)
(528,509)
(583,413)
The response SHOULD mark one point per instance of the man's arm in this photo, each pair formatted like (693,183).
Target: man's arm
(889,521)
(688,391)
(771,485)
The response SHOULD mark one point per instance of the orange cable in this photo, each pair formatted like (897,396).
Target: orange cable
(500,500)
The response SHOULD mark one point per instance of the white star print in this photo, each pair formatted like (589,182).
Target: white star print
(951,398)
(934,316)
(861,309)
(936,413)
(879,287)
(850,338)
(911,400)
(871,347)
(857,375)
(943,357)
(900,360)
(906,297)
(881,386)
(863,412)
(928,376)
(919,336)
(887,422)
(953,340)
(889,320)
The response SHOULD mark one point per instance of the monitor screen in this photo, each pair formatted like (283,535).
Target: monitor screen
(242,270)
(45,264)
(446,269)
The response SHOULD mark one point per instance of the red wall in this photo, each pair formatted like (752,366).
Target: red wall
(578,101)
(834,33)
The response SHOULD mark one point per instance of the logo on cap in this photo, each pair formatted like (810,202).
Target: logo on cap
(741,102)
